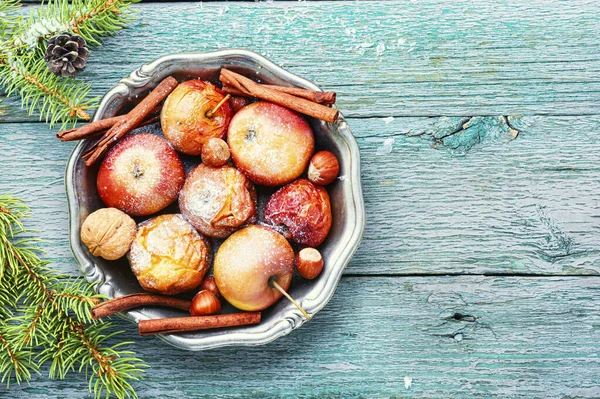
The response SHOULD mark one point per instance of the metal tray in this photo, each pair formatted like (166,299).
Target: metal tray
(114,278)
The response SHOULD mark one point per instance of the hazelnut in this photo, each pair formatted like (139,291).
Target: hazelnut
(205,303)
(323,168)
(108,233)
(309,263)
(238,103)
(215,152)
(209,284)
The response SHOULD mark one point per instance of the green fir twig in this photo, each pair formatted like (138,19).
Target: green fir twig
(46,318)
(23,43)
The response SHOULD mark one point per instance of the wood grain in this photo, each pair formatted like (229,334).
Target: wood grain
(451,337)
(439,198)
(399,58)
(478,129)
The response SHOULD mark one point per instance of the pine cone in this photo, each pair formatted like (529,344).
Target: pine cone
(66,54)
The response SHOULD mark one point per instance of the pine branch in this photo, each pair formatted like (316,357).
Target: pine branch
(8,301)
(29,330)
(56,99)
(8,8)
(111,367)
(14,362)
(23,44)
(91,19)
(52,321)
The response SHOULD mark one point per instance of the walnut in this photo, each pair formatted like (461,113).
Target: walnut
(108,233)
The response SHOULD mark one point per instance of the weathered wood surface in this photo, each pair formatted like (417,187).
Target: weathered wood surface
(476,201)
(454,337)
(448,190)
(400,58)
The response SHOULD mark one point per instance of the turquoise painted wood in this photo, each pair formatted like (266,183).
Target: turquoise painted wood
(495,205)
(478,128)
(400,337)
(400,58)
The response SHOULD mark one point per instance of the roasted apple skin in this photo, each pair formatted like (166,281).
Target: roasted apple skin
(301,211)
(270,144)
(168,255)
(140,176)
(183,117)
(247,261)
(217,201)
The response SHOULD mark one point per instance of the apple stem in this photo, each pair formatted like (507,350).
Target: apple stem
(210,113)
(285,294)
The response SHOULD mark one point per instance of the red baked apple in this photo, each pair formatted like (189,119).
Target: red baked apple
(301,211)
(246,264)
(186,118)
(141,175)
(270,144)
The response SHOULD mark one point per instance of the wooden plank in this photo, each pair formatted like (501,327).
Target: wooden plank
(436,337)
(439,198)
(396,58)
(492,205)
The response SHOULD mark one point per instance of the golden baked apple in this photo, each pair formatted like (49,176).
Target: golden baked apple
(168,255)
(246,263)
(186,120)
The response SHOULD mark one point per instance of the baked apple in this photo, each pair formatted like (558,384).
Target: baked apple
(186,118)
(217,201)
(246,263)
(168,255)
(141,175)
(270,144)
(300,211)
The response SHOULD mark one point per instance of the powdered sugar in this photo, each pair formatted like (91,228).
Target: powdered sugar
(168,255)
(141,175)
(217,201)
(204,201)
(387,146)
(246,262)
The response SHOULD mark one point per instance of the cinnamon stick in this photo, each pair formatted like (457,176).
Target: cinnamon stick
(84,131)
(195,323)
(127,302)
(94,128)
(321,97)
(250,88)
(133,119)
